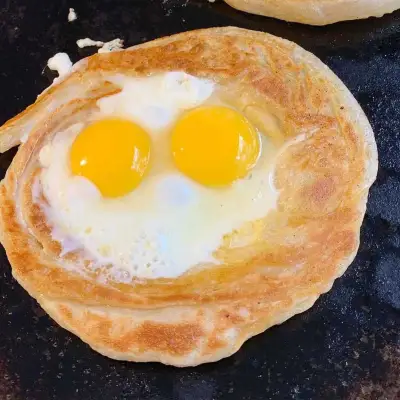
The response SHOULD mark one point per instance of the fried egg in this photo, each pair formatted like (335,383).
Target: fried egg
(156,177)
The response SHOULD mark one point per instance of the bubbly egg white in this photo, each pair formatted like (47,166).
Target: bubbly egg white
(155,101)
(169,223)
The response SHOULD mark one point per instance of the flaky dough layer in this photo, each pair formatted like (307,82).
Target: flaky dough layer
(317,12)
(271,269)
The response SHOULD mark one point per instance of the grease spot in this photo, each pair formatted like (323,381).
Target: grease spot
(387,280)
(189,388)
(384,201)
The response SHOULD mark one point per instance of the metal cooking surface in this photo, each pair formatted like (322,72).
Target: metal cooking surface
(346,347)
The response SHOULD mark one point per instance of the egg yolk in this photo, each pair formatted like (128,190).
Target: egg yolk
(214,145)
(113,154)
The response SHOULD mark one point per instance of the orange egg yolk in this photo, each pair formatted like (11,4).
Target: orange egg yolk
(214,145)
(114,154)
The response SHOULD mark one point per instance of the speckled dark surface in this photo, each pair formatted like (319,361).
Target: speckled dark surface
(346,347)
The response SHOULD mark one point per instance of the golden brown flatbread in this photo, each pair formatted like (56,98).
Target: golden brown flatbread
(271,269)
(317,12)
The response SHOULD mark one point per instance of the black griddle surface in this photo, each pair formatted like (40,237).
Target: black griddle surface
(346,347)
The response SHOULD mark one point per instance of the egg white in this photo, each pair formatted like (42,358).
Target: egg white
(169,223)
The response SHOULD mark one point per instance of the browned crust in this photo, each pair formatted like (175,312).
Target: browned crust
(305,243)
(180,336)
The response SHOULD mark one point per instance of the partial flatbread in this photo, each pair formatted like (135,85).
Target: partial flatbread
(317,12)
(289,258)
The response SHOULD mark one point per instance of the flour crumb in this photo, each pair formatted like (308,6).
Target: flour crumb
(112,45)
(89,42)
(72,15)
(61,63)
(105,47)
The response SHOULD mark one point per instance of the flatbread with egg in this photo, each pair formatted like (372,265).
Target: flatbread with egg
(286,245)
(317,12)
